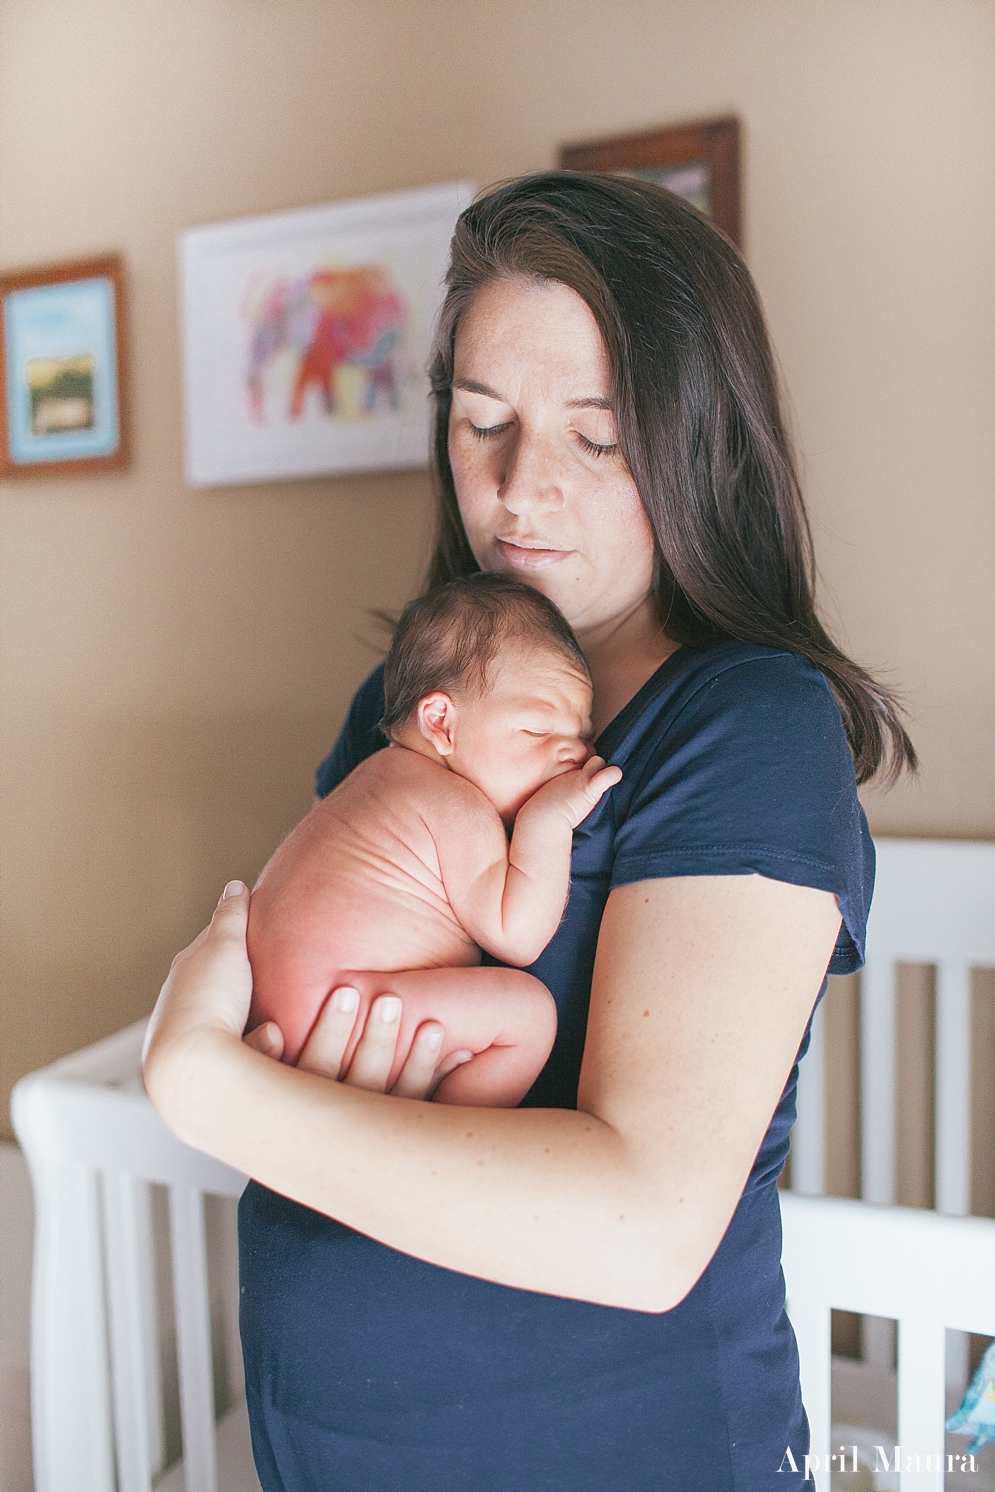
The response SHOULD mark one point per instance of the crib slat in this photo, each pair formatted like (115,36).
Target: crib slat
(193,1338)
(71,1412)
(134,1355)
(811,1321)
(921,1389)
(808,1138)
(877,1081)
(953,1088)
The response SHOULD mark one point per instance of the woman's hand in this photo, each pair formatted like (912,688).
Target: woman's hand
(208,992)
(374,1056)
(209,985)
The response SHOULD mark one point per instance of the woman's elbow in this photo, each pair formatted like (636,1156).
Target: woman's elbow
(665,1267)
(663,1292)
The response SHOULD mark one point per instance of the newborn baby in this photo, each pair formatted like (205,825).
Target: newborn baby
(397,880)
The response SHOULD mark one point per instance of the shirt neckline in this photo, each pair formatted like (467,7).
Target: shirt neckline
(616,730)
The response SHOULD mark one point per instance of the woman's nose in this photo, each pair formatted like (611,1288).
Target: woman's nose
(531,476)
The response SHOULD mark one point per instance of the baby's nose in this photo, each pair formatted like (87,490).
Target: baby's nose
(573,749)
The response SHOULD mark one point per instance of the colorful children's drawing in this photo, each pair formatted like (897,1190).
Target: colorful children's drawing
(328,320)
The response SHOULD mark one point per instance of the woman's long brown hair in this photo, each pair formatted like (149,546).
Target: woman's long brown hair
(698,413)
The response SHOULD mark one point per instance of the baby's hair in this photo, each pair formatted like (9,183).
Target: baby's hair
(448,640)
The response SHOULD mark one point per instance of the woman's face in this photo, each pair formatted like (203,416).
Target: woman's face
(543,490)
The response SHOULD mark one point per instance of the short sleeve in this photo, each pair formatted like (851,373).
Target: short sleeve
(359,738)
(750,772)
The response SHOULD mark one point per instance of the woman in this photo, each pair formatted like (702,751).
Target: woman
(582,1294)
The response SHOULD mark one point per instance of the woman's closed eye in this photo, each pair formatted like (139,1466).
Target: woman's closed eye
(594,449)
(484,432)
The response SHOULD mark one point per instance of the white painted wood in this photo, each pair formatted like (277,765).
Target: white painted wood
(953,1121)
(70,1390)
(137,1425)
(193,1323)
(93,1145)
(933,900)
(953,1087)
(922,1400)
(922,1269)
(811,1320)
(934,903)
(878,1058)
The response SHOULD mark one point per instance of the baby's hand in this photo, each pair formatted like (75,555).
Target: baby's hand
(575,793)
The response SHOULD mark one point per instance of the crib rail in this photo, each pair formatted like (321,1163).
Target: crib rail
(934,903)
(926,1271)
(95,1147)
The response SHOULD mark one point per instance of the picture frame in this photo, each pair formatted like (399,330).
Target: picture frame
(699,161)
(63,375)
(306,333)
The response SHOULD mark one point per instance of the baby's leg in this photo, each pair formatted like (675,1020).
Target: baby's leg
(505,1016)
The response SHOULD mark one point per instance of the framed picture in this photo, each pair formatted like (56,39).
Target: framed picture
(697,161)
(305,336)
(62,369)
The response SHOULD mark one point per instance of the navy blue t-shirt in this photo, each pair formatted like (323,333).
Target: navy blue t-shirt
(371,1371)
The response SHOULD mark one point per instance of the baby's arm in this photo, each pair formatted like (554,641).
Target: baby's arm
(510,898)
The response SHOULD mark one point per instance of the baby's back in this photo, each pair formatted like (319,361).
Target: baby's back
(355,886)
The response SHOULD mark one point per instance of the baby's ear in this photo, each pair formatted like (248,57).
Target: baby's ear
(436,716)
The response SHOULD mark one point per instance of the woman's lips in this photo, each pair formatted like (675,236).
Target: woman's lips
(529,557)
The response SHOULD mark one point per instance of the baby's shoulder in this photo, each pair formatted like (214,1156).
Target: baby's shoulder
(423,785)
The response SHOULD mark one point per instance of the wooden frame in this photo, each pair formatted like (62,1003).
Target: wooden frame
(704,154)
(75,345)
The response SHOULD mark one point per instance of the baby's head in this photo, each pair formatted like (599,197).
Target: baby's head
(486,674)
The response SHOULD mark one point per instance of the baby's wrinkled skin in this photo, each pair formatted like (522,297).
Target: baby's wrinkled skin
(406,867)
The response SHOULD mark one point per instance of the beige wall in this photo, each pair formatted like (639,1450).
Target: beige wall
(173,663)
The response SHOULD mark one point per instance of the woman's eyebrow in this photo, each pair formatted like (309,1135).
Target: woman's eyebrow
(470,386)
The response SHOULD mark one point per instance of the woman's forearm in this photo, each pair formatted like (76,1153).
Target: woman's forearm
(540,1199)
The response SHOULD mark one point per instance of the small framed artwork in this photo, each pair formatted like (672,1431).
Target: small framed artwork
(699,162)
(306,333)
(62,369)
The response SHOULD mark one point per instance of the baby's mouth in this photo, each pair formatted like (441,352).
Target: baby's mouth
(529,555)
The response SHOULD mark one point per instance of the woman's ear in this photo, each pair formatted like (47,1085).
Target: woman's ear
(436,716)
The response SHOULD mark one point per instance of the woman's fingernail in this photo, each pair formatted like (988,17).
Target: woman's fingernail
(434,1040)
(462,1057)
(233,888)
(346,999)
(388,1008)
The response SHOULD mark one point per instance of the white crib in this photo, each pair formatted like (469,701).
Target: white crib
(97,1150)
(934,903)
(927,1272)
